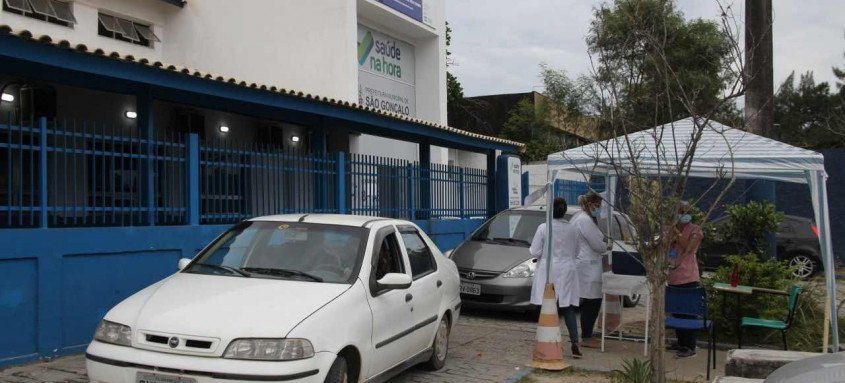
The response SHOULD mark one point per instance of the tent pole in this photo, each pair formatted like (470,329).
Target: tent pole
(827,254)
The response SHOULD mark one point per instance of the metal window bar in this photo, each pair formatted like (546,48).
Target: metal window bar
(128,29)
(63,10)
(146,32)
(43,7)
(19,5)
(110,23)
(20,193)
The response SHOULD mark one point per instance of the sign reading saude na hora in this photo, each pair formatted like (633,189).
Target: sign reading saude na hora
(385,73)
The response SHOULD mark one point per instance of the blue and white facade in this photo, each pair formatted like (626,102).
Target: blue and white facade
(134,131)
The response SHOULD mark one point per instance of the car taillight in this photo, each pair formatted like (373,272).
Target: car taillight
(815,229)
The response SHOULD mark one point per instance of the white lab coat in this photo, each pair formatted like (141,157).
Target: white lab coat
(591,246)
(564,274)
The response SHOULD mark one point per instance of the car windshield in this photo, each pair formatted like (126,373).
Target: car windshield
(285,250)
(511,227)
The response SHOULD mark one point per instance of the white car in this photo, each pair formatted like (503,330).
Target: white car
(304,298)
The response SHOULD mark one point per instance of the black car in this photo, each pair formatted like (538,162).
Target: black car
(797,244)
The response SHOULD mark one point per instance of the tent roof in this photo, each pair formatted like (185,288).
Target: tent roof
(722,152)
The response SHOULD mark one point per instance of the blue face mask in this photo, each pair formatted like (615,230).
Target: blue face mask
(684,218)
(595,213)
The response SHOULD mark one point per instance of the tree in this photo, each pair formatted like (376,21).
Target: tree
(565,95)
(651,67)
(840,76)
(528,123)
(454,90)
(688,62)
(836,119)
(803,113)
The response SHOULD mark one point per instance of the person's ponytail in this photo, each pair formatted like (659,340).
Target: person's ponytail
(559,208)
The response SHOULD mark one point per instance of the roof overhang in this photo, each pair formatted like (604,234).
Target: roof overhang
(77,65)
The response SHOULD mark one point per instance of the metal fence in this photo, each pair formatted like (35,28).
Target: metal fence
(389,187)
(570,190)
(247,180)
(95,174)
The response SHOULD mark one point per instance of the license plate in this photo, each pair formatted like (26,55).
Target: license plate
(470,288)
(149,377)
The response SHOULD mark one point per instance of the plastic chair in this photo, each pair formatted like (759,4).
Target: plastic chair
(691,302)
(774,324)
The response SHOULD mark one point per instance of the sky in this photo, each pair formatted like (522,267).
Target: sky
(498,45)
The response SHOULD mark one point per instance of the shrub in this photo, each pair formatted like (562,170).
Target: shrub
(749,225)
(752,272)
(807,331)
(633,371)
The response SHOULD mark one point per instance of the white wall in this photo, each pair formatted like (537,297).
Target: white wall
(308,46)
(85,31)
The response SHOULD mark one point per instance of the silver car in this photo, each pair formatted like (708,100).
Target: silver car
(497,270)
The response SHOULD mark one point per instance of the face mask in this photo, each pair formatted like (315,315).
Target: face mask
(684,218)
(595,213)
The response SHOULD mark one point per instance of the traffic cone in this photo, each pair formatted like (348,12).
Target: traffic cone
(548,354)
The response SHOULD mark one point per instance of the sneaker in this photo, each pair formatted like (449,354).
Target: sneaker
(576,353)
(685,353)
(591,343)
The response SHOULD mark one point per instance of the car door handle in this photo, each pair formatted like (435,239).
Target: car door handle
(408,297)
(439,283)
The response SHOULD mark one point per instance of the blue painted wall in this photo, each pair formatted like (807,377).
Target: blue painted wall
(56,284)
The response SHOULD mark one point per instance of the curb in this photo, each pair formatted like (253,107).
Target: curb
(699,343)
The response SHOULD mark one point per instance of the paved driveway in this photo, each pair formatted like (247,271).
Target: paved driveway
(483,348)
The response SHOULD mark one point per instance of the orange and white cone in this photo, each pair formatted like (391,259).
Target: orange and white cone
(548,354)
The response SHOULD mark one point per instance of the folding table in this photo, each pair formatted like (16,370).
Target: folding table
(624,285)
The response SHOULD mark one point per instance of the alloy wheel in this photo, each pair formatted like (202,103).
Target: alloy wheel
(802,265)
(441,341)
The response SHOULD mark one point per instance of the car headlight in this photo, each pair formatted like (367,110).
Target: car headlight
(522,270)
(269,349)
(114,333)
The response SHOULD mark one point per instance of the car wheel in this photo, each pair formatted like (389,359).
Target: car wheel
(631,301)
(803,266)
(338,373)
(440,347)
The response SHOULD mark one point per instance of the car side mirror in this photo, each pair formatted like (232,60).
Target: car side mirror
(183,263)
(395,281)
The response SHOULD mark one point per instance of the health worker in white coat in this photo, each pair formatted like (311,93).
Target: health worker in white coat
(591,246)
(564,274)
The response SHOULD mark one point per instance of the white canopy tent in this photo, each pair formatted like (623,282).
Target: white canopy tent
(721,152)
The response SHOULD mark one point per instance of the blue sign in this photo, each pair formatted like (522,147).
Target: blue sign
(411,8)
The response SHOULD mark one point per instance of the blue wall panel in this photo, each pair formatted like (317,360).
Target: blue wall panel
(56,284)
(18,309)
(93,283)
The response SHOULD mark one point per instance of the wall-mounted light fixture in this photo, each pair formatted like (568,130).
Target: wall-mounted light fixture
(224,129)
(131,115)
(294,138)
(7,97)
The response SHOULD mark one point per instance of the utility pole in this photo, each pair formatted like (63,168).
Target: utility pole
(759,94)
